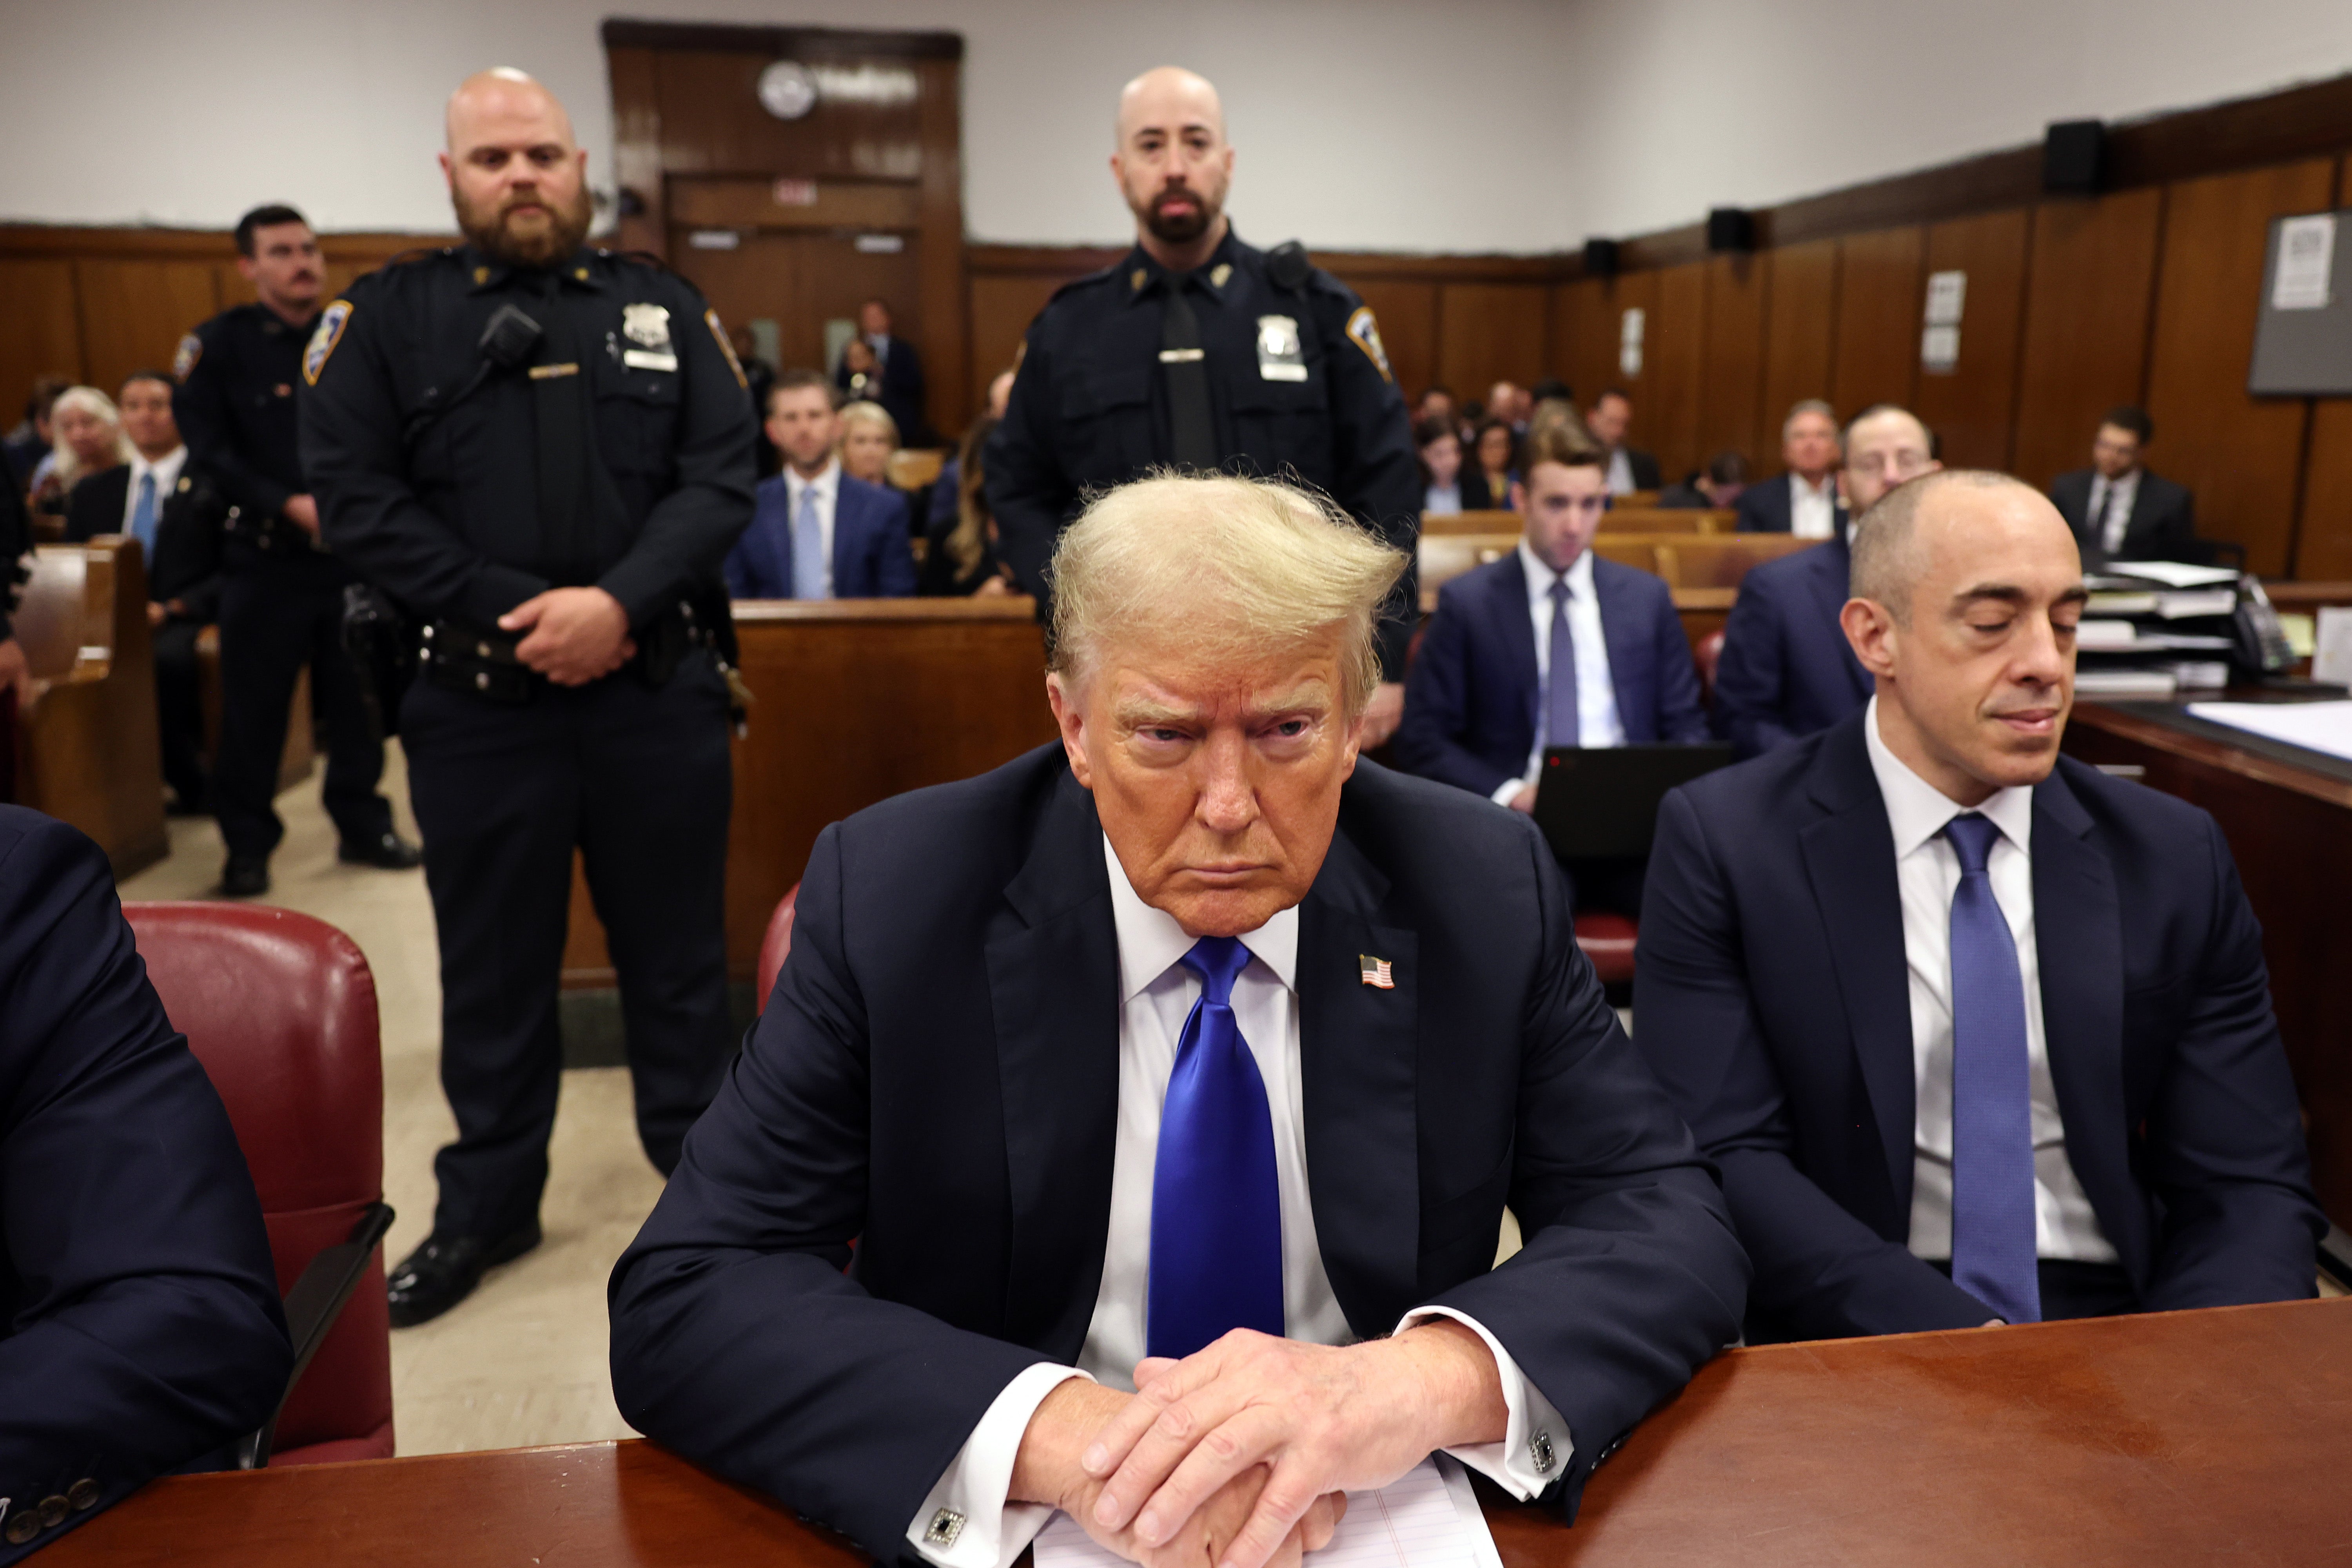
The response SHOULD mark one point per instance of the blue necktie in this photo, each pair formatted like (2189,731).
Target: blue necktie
(1216,1208)
(1561,727)
(1993,1246)
(808,550)
(143,519)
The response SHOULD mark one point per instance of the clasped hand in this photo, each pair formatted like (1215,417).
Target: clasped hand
(577,634)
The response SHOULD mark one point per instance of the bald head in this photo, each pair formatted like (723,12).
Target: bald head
(517,179)
(1173,163)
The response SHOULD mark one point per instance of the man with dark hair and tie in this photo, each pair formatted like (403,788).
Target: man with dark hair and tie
(2119,511)
(1972,1030)
(1172,1080)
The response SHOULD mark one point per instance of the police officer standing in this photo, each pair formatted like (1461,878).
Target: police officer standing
(1201,352)
(281,602)
(542,452)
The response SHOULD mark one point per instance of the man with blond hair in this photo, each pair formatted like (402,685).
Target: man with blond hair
(1173,1079)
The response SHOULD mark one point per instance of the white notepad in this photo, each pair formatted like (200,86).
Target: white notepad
(1427,1518)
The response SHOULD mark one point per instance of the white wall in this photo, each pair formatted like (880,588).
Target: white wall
(1512,125)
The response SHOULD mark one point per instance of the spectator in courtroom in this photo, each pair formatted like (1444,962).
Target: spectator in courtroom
(960,555)
(1551,388)
(1629,468)
(1497,451)
(1449,486)
(944,506)
(1973,1031)
(176,514)
(87,439)
(30,442)
(868,440)
(1804,500)
(1206,1173)
(894,376)
(1507,402)
(16,543)
(2116,508)
(1787,671)
(759,379)
(1718,484)
(860,379)
(1550,645)
(1438,403)
(817,532)
(140,1332)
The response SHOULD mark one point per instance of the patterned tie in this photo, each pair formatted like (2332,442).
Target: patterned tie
(143,519)
(1993,1129)
(1216,1208)
(2106,516)
(1560,728)
(808,550)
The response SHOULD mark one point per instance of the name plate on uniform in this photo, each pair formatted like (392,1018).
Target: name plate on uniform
(644,359)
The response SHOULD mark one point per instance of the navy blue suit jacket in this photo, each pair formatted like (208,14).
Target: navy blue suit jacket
(871,558)
(1774,999)
(1471,699)
(1767,507)
(936,1072)
(139,1329)
(1787,670)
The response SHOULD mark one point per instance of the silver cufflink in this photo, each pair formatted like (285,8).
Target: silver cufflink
(946,1525)
(1539,1450)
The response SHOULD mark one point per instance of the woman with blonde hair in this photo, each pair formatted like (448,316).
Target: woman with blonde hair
(868,437)
(89,440)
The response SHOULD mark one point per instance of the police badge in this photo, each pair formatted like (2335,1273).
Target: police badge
(1280,355)
(647,325)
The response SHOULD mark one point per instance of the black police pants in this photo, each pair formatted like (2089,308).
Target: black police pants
(638,780)
(278,614)
(179,712)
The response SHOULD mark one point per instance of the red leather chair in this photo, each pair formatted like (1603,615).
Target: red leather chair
(1709,653)
(282,1010)
(776,945)
(1608,941)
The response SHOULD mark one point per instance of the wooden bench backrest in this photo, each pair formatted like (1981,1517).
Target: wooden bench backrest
(1621,518)
(1446,556)
(915,468)
(1720,561)
(1470,522)
(67,605)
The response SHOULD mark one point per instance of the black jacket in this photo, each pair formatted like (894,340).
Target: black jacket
(2163,525)
(188,527)
(1089,407)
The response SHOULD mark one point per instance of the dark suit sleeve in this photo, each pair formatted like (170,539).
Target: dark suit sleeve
(1437,706)
(1644,468)
(1750,677)
(737,1339)
(148,1333)
(2175,536)
(1682,713)
(1751,516)
(2224,1139)
(87,516)
(1632,1276)
(1379,478)
(1821,1273)
(200,406)
(16,538)
(895,566)
(1028,492)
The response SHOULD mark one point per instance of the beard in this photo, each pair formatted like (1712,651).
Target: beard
(1178,229)
(546,238)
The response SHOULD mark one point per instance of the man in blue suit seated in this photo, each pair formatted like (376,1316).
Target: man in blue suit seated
(1786,670)
(1973,1030)
(1172,1081)
(816,532)
(139,1329)
(1549,646)
(1803,500)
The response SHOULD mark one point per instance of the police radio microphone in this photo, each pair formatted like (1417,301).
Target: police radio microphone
(506,343)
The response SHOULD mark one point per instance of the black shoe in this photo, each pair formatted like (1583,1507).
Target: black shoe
(245,876)
(388,853)
(444,1271)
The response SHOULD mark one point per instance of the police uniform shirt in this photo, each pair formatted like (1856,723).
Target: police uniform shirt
(430,470)
(236,404)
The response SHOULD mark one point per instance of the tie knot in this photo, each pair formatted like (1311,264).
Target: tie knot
(1561,591)
(1217,959)
(1972,840)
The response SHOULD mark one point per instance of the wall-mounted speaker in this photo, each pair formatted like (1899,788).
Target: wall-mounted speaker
(2070,153)
(1600,258)
(1730,228)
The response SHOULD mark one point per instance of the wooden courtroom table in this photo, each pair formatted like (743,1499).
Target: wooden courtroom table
(2179,1438)
(2287,814)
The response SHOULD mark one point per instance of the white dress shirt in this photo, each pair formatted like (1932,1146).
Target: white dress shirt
(827,486)
(2127,490)
(1597,722)
(1443,500)
(1620,473)
(1812,509)
(166,470)
(1928,873)
(1156,995)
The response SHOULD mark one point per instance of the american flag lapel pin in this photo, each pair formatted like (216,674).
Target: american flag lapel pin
(1376,972)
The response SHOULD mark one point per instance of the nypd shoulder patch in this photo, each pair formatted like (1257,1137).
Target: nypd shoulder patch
(1365,332)
(711,317)
(191,350)
(332,321)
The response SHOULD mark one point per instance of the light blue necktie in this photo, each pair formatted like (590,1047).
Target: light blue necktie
(1560,724)
(143,517)
(1217,1205)
(1993,1250)
(808,550)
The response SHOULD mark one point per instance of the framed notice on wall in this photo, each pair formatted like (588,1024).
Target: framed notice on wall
(2303,330)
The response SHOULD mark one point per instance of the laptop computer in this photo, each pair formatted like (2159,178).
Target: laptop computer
(1604,801)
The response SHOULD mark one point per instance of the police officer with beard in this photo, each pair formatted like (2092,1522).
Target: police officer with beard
(1199,352)
(542,452)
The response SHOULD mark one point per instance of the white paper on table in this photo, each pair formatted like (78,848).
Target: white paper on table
(2314,726)
(1427,1518)
(2331,649)
(2307,262)
(2174,573)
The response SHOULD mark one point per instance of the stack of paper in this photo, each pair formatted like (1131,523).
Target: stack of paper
(2315,726)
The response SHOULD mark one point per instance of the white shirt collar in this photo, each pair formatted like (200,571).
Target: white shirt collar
(166,468)
(1800,485)
(1150,941)
(824,484)
(1540,577)
(1917,811)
